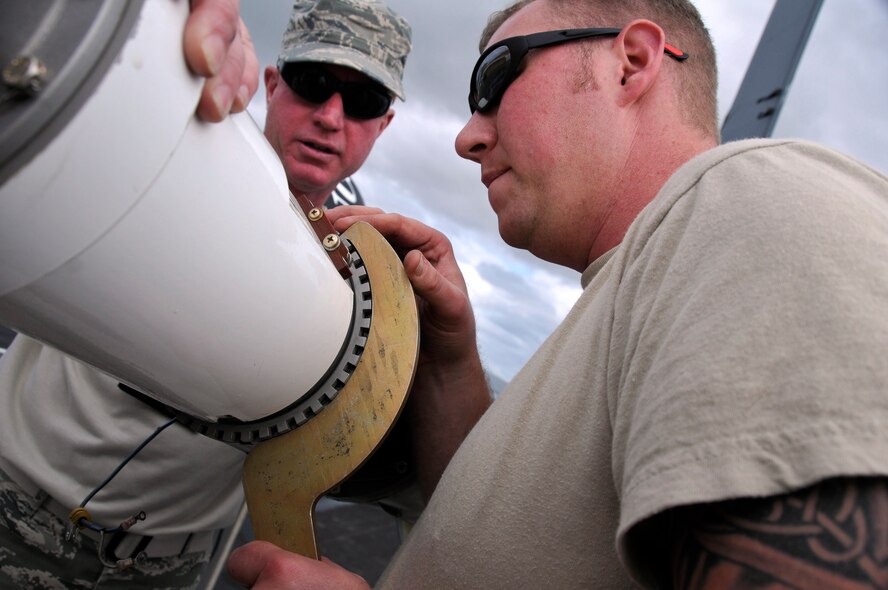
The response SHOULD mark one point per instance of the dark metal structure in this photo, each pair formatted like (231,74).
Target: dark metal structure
(773,66)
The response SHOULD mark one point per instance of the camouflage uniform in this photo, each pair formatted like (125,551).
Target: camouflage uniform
(35,555)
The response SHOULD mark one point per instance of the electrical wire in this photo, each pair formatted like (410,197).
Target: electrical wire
(80,517)
(129,457)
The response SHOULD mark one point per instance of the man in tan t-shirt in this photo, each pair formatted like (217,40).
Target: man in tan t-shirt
(712,411)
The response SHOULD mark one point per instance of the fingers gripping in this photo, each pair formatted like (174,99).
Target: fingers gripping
(218,46)
(445,298)
(209,32)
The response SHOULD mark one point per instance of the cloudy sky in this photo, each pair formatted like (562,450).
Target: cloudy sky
(838,98)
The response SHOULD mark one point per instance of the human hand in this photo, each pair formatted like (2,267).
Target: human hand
(447,320)
(450,390)
(218,47)
(262,566)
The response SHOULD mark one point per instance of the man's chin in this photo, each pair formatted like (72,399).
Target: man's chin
(513,235)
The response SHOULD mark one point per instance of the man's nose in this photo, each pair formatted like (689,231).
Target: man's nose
(477,137)
(331,112)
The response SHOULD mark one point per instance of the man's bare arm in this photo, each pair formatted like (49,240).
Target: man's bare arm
(830,535)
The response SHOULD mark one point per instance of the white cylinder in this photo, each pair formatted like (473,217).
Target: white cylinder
(167,251)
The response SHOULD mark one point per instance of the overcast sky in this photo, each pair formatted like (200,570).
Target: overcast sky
(838,98)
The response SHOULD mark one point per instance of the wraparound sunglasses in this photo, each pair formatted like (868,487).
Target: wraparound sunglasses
(498,65)
(316,84)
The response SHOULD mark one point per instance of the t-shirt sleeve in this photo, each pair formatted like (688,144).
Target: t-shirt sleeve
(750,355)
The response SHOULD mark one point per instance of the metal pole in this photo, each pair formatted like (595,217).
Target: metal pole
(216,566)
(766,84)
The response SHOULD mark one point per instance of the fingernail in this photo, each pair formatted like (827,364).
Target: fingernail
(214,52)
(243,97)
(222,98)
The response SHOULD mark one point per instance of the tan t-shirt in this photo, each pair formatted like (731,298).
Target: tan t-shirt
(733,345)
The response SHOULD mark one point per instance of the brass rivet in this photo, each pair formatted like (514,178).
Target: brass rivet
(331,242)
(316,214)
(79,513)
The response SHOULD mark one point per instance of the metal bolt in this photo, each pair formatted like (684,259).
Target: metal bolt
(315,214)
(331,242)
(25,73)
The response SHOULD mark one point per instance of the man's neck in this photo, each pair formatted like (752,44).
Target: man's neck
(643,177)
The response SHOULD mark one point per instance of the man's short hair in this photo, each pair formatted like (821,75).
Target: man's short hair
(364,35)
(697,77)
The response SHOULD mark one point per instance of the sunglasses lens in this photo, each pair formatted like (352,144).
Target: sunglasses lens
(308,82)
(491,79)
(365,101)
(360,100)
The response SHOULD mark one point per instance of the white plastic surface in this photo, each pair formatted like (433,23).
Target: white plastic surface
(167,251)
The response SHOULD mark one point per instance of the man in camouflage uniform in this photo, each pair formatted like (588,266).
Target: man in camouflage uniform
(329,97)
(64,426)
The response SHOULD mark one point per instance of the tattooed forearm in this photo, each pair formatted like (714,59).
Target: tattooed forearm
(831,535)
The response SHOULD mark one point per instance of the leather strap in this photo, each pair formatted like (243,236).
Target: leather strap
(328,236)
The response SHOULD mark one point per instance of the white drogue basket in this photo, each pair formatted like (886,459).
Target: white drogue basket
(167,251)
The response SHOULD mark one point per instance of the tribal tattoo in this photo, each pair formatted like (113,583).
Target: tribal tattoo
(830,535)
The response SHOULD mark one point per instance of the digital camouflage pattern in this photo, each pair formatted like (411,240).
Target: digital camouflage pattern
(364,35)
(35,555)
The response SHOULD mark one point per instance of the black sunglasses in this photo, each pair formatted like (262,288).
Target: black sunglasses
(316,84)
(498,65)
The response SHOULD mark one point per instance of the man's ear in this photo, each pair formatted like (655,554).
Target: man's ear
(272,77)
(384,121)
(640,47)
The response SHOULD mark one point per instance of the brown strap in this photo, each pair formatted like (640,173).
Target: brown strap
(329,237)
